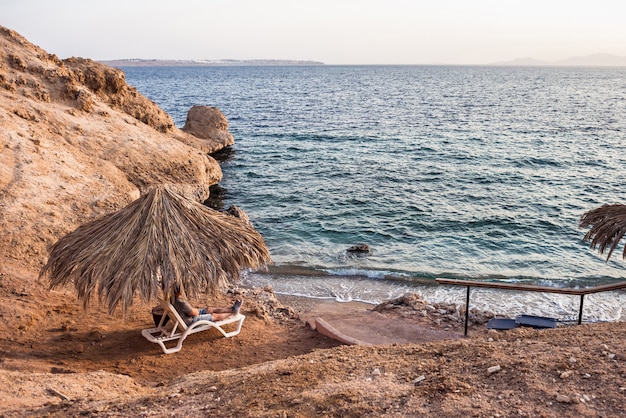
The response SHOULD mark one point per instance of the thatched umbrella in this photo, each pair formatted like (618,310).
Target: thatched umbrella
(608,226)
(158,240)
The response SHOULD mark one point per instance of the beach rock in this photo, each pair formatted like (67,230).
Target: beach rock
(359,249)
(418,380)
(208,123)
(237,212)
(76,143)
(108,85)
(563,399)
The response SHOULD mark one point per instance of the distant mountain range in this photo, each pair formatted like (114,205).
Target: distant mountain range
(594,60)
(136,62)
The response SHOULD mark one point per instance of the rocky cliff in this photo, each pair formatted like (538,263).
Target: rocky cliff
(76,142)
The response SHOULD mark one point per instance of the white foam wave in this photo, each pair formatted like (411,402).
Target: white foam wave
(606,306)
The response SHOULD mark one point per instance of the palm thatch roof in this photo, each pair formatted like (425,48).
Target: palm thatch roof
(158,240)
(608,226)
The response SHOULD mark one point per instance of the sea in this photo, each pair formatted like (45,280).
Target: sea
(462,172)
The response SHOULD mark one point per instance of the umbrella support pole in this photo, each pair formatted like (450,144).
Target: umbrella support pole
(467,309)
(580,310)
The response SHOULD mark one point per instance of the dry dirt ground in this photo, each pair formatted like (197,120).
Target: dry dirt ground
(66,158)
(57,360)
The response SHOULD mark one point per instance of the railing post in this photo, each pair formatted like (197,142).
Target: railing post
(580,309)
(467,309)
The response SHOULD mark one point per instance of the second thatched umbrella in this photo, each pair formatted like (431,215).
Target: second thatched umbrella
(608,226)
(160,239)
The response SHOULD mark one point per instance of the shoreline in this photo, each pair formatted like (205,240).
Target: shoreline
(600,307)
(306,303)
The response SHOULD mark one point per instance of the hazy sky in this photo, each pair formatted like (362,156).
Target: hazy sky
(331,31)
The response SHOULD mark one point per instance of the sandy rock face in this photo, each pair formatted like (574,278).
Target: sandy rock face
(78,142)
(208,123)
(109,85)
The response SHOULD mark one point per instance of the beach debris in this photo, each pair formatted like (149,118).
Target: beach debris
(493,369)
(59,394)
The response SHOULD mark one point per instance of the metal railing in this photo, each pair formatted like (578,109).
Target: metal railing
(530,288)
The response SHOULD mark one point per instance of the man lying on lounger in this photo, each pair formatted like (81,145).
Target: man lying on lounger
(190,314)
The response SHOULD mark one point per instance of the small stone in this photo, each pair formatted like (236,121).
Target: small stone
(418,380)
(493,369)
(563,399)
(572,359)
(566,374)
(376,372)
(586,398)
(611,356)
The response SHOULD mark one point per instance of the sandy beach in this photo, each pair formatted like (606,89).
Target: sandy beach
(58,360)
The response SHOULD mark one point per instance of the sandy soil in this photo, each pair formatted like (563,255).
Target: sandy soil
(57,360)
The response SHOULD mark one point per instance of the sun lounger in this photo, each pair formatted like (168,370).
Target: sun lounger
(178,330)
(536,322)
(502,323)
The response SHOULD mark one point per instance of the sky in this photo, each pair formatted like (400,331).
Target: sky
(338,32)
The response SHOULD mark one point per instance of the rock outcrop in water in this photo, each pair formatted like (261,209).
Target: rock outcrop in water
(208,123)
(78,142)
(359,249)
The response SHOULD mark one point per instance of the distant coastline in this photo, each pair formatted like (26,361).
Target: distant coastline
(136,62)
(594,60)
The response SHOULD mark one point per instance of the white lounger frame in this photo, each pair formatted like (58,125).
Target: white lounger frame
(178,330)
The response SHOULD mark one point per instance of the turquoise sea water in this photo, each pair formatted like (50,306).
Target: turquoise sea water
(461,172)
